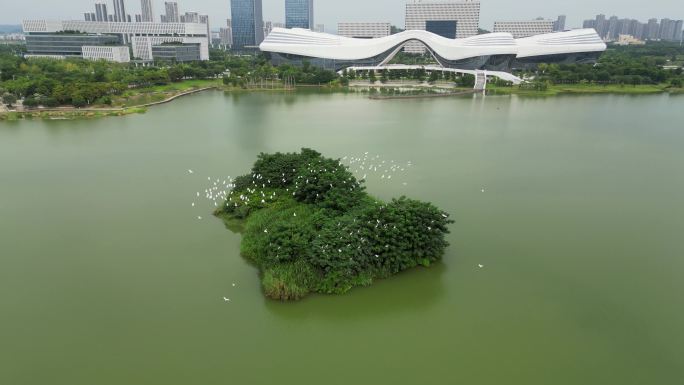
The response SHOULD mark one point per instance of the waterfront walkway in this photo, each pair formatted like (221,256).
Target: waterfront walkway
(429,68)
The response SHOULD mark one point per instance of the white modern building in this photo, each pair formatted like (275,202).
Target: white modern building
(143,36)
(521,29)
(449,19)
(488,52)
(118,54)
(364,30)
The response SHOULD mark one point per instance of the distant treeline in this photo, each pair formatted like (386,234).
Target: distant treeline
(79,82)
(653,63)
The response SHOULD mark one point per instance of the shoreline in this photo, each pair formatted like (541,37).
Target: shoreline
(69,113)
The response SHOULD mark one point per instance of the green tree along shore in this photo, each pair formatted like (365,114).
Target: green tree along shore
(310,227)
(655,67)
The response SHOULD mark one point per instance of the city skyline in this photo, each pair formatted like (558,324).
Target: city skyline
(330,13)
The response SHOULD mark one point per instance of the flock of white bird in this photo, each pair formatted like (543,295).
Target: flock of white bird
(220,190)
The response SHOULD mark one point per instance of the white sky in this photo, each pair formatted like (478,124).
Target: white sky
(330,12)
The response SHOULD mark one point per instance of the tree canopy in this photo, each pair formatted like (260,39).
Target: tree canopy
(311,227)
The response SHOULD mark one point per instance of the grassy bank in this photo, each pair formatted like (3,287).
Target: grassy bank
(147,95)
(69,115)
(558,89)
(134,101)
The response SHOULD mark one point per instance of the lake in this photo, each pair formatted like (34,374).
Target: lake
(107,276)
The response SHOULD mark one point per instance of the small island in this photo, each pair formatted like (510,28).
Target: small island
(310,227)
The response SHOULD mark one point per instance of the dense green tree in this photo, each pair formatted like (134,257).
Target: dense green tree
(9,99)
(310,227)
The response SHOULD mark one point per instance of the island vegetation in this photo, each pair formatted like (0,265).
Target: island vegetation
(310,227)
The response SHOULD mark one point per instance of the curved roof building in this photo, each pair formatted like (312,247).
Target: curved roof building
(494,51)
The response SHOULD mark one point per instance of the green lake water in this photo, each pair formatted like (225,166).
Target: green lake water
(107,276)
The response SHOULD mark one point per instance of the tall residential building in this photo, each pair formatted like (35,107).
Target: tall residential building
(679,30)
(204,19)
(559,24)
(461,16)
(601,25)
(364,30)
(611,29)
(614,28)
(138,18)
(248,23)
(520,29)
(171,15)
(652,29)
(589,24)
(226,35)
(120,11)
(668,30)
(190,17)
(268,27)
(299,14)
(146,11)
(101,12)
(90,16)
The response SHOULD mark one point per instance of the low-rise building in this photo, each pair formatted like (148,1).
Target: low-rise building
(629,40)
(118,54)
(49,36)
(66,44)
(176,52)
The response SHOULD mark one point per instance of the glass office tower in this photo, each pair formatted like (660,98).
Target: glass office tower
(248,23)
(299,14)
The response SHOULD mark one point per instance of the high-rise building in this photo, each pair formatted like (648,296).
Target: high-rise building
(364,30)
(667,30)
(101,12)
(138,18)
(679,30)
(268,27)
(204,19)
(172,15)
(120,11)
(190,17)
(299,14)
(464,16)
(652,29)
(559,24)
(146,11)
(248,23)
(226,35)
(613,28)
(90,16)
(520,29)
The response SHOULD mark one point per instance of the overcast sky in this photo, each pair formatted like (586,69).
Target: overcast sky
(329,12)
